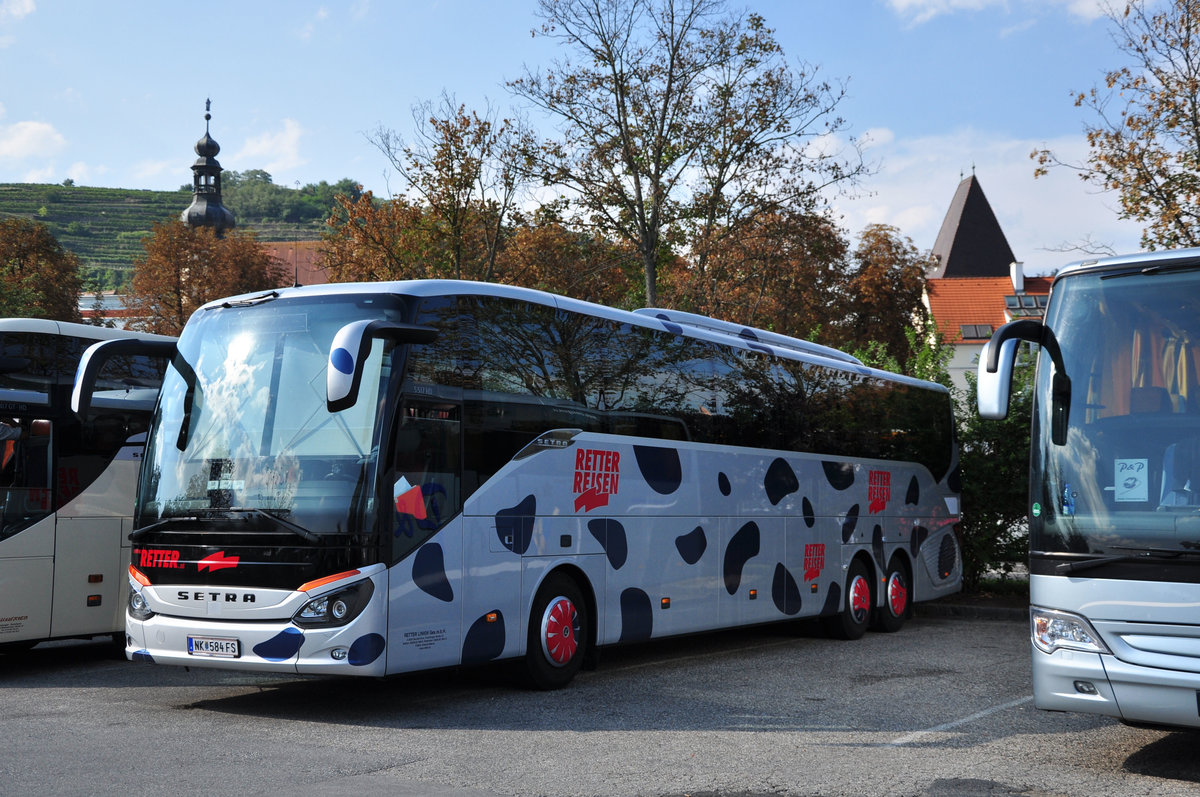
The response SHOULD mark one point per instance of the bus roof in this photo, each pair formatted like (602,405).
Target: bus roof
(47,327)
(748,333)
(1177,258)
(698,326)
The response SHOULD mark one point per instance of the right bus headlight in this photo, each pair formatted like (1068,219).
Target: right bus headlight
(336,608)
(1052,630)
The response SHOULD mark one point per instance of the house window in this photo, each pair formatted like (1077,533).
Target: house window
(976,331)
(1025,304)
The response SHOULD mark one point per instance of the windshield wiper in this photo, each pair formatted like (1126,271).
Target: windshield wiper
(224,514)
(1163,553)
(167,521)
(1135,555)
(253,300)
(278,522)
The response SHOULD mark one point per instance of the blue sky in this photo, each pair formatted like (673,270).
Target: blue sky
(112,94)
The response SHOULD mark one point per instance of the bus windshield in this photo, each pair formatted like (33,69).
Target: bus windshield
(1126,482)
(243,426)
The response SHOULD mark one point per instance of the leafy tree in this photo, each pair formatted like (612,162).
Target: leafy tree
(1145,144)
(928,358)
(467,169)
(38,278)
(882,296)
(994,457)
(186,267)
(368,241)
(782,272)
(677,118)
(551,257)
(252,195)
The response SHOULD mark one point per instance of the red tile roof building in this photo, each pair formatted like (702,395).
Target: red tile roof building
(300,260)
(978,285)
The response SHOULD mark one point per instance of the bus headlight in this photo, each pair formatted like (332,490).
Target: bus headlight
(138,608)
(1051,630)
(336,608)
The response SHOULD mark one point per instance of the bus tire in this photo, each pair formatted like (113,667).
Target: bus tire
(558,634)
(897,598)
(852,621)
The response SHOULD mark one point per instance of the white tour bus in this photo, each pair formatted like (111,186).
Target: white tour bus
(380,478)
(67,484)
(1114,486)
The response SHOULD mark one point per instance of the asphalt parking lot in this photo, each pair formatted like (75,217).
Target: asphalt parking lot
(942,708)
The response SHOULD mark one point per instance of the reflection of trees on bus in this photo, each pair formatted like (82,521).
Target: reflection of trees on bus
(540,368)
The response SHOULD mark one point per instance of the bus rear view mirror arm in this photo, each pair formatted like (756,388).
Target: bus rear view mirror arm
(96,355)
(996,362)
(349,352)
(994,382)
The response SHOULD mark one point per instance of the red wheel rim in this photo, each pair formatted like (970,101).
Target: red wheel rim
(897,595)
(860,599)
(560,632)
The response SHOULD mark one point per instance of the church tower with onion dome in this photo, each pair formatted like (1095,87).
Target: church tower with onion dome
(206,209)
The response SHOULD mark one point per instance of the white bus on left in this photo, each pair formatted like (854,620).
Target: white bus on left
(67,484)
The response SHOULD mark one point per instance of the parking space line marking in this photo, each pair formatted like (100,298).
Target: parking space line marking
(912,737)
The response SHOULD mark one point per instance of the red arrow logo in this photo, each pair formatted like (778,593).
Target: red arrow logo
(217,561)
(590,499)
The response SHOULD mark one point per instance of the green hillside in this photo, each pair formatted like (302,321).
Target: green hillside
(104,226)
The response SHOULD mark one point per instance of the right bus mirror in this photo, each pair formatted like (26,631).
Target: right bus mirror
(994,382)
(343,373)
(992,387)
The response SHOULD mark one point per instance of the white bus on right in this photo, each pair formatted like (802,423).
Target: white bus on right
(1114,486)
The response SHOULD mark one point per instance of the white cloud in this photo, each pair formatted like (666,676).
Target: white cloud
(29,140)
(11,11)
(917,179)
(83,174)
(916,12)
(41,174)
(876,137)
(15,9)
(146,170)
(1087,9)
(280,150)
(306,31)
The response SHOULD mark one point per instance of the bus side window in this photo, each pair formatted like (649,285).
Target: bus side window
(426,473)
(25,494)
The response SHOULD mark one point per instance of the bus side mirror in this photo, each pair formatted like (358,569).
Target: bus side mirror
(994,382)
(992,387)
(96,355)
(347,355)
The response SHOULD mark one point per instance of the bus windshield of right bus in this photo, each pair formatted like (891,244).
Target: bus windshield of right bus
(1122,477)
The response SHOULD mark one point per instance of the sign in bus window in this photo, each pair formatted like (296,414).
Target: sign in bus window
(1130,482)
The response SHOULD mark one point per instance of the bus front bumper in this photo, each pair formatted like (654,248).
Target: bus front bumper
(352,649)
(1094,683)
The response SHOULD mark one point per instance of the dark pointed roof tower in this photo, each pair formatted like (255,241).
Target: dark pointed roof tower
(206,209)
(971,243)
